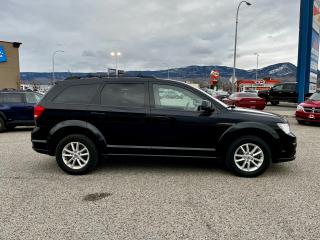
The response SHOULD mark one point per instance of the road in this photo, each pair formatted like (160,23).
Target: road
(157,198)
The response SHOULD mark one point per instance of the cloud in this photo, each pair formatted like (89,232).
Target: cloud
(151,34)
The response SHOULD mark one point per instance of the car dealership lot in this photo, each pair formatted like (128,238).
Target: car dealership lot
(132,198)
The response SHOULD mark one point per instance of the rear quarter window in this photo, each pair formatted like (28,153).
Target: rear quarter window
(77,94)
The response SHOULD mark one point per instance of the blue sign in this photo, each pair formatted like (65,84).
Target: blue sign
(308,55)
(3,56)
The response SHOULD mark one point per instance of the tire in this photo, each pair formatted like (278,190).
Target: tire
(70,160)
(274,103)
(256,168)
(301,122)
(2,125)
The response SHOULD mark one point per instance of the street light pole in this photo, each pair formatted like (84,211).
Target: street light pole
(53,55)
(235,45)
(257,65)
(116,55)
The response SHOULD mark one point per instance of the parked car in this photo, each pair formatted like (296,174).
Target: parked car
(220,95)
(16,108)
(309,111)
(285,92)
(245,100)
(80,120)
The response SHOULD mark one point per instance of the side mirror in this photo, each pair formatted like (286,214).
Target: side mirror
(206,106)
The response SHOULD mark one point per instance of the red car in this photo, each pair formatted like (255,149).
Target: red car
(309,111)
(245,100)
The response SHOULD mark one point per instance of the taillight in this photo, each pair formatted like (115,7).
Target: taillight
(38,110)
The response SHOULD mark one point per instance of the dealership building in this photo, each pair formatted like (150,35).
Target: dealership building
(9,65)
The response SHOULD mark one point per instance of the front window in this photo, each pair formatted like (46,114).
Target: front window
(175,98)
(315,96)
(278,87)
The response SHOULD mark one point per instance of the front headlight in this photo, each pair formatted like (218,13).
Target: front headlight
(300,108)
(285,127)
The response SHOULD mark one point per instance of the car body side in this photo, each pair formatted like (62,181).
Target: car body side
(202,134)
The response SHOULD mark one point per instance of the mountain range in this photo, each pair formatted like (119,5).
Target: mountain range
(283,71)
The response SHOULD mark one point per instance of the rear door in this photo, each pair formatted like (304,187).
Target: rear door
(289,92)
(120,113)
(14,102)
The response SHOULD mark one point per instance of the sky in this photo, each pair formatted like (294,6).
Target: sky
(150,34)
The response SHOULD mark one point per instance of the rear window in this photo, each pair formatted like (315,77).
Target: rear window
(11,98)
(123,95)
(77,94)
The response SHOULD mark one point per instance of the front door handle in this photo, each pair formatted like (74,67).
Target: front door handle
(164,118)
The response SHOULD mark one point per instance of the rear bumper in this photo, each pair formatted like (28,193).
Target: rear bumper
(40,146)
(39,142)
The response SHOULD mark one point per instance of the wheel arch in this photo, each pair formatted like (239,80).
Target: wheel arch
(260,130)
(69,127)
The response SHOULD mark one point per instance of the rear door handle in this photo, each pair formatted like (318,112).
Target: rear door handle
(98,113)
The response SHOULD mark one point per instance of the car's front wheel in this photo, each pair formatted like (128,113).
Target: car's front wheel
(2,125)
(275,103)
(77,154)
(248,156)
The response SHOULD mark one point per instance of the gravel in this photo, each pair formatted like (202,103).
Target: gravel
(132,198)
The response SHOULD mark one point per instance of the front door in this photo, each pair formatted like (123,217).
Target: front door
(178,125)
(120,114)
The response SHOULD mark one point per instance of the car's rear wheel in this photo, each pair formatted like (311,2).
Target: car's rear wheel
(77,154)
(2,125)
(248,156)
(274,103)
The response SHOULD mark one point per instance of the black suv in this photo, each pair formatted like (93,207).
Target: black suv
(16,108)
(80,120)
(285,92)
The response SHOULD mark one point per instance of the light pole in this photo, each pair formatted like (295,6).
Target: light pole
(53,55)
(257,65)
(235,46)
(116,55)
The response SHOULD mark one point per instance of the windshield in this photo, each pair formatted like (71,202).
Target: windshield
(315,96)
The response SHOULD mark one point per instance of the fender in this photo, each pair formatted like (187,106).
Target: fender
(247,127)
(88,127)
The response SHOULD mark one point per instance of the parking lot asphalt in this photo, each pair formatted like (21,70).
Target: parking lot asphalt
(133,198)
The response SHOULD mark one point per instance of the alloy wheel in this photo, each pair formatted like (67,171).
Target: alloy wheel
(75,155)
(249,157)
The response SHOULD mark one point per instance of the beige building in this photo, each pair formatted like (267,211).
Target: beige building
(9,65)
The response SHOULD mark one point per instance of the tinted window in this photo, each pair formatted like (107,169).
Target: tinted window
(33,98)
(171,97)
(123,95)
(289,87)
(315,97)
(278,87)
(11,98)
(77,94)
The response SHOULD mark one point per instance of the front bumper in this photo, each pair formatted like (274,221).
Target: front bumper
(308,117)
(288,146)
